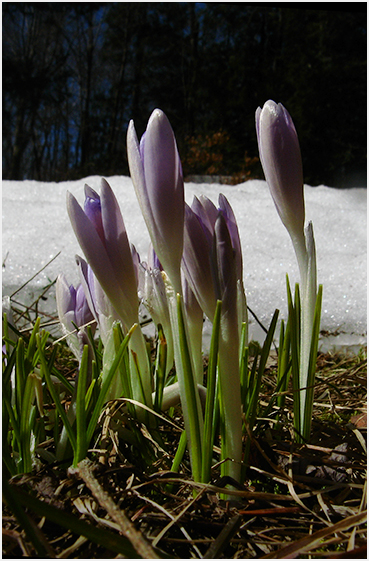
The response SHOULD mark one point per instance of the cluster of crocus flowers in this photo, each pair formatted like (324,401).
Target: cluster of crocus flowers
(194,268)
(194,263)
(281,160)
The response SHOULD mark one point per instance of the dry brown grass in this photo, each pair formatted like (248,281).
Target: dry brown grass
(297,502)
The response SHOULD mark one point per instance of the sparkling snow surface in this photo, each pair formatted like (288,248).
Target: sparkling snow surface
(36,227)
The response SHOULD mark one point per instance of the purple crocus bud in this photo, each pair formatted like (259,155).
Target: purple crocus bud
(281,160)
(156,173)
(88,280)
(224,267)
(73,310)
(199,259)
(225,275)
(230,218)
(102,236)
(196,263)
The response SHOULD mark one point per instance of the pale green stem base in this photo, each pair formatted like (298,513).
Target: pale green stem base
(304,247)
(230,388)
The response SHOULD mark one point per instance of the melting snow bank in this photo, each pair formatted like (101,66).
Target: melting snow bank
(36,228)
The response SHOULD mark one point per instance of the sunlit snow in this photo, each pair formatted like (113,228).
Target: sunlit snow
(36,228)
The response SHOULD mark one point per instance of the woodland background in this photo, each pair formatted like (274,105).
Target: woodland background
(74,74)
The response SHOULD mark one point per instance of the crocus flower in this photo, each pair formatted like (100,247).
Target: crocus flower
(280,157)
(99,304)
(281,160)
(88,280)
(196,263)
(73,310)
(225,261)
(198,256)
(212,265)
(102,236)
(156,173)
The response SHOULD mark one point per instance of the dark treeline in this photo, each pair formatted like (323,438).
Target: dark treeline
(74,74)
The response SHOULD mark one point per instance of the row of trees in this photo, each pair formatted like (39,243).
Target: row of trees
(74,74)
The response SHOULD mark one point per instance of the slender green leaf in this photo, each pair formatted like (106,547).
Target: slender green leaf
(312,366)
(20,376)
(207,451)
(89,394)
(81,443)
(123,367)
(179,452)
(160,367)
(244,362)
(191,396)
(105,386)
(251,413)
(68,386)
(55,396)
(8,365)
(284,363)
(32,345)
(293,319)
(26,425)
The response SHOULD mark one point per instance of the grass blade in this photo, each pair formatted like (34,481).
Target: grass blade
(55,396)
(312,366)
(207,452)
(160,368)
(192,397)
(81,441)
(294,321)
(105,386)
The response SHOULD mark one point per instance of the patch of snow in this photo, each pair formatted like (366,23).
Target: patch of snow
(36,228)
